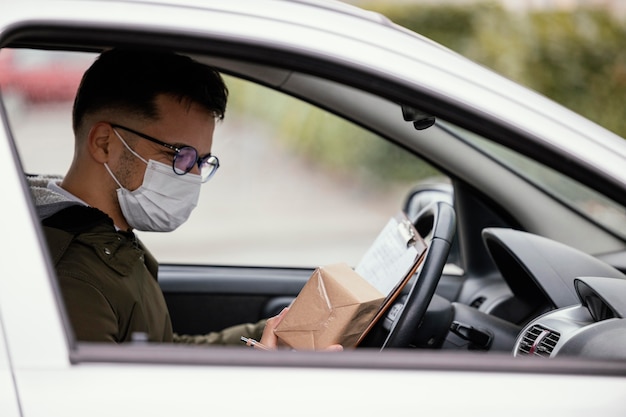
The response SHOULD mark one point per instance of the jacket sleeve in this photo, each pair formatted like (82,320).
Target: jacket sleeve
(229,336)
(91,315)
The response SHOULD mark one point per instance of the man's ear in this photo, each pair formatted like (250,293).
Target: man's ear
(99,142)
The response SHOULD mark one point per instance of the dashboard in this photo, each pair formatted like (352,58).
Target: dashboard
(549,300)
(594,328)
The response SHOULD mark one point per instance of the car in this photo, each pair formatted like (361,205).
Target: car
(337,120)
(41,78)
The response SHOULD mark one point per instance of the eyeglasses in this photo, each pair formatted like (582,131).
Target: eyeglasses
(185,157)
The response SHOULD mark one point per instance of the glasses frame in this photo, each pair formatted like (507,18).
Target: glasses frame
(214,161)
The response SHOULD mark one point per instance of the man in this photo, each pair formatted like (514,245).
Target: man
(143,125)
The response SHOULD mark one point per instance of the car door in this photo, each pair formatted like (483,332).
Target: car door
(9,401)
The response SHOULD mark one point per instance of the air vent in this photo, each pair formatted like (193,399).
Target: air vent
(478,302)
(538,341)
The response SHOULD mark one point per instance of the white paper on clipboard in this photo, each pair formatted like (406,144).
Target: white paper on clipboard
(392,255)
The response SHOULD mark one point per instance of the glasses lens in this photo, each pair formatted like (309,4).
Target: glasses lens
(208,166)
(185,159)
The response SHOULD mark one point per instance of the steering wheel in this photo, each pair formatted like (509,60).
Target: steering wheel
(436,223)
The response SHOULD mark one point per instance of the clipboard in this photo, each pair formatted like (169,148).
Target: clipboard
(391,261)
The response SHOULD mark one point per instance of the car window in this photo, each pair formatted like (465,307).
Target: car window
(297,186)
(586,201)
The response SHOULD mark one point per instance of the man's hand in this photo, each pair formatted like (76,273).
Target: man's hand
(270,340)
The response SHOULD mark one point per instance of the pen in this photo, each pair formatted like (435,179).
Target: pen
(253,343)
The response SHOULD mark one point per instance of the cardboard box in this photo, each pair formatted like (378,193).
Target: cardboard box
(334,306)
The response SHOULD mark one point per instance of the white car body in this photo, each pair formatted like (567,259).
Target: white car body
(44,372)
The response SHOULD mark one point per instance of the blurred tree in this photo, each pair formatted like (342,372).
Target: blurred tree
(575,58)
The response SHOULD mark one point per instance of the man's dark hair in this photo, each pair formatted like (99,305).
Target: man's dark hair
(130,80)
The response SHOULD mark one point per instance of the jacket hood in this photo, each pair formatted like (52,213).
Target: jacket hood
(47,201)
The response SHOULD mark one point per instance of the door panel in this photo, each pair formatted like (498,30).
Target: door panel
(204,299)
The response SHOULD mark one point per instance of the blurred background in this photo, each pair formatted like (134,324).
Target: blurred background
(572,51)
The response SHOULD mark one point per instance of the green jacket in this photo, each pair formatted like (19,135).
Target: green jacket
(109,280)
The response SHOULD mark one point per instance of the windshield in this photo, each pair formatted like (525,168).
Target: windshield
(586,201)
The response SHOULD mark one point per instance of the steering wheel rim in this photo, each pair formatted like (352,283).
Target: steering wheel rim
(438,221)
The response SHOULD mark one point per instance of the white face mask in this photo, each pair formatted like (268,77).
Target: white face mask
(164,200)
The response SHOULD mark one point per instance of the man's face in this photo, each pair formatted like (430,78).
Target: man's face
(180,124)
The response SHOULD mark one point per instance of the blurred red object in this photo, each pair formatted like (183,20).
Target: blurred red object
(40,76)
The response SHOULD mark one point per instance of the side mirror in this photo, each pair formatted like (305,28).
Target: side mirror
(426,193)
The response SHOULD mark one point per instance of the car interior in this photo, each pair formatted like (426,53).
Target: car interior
(523,259)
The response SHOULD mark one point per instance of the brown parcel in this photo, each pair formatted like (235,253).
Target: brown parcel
(334,306)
